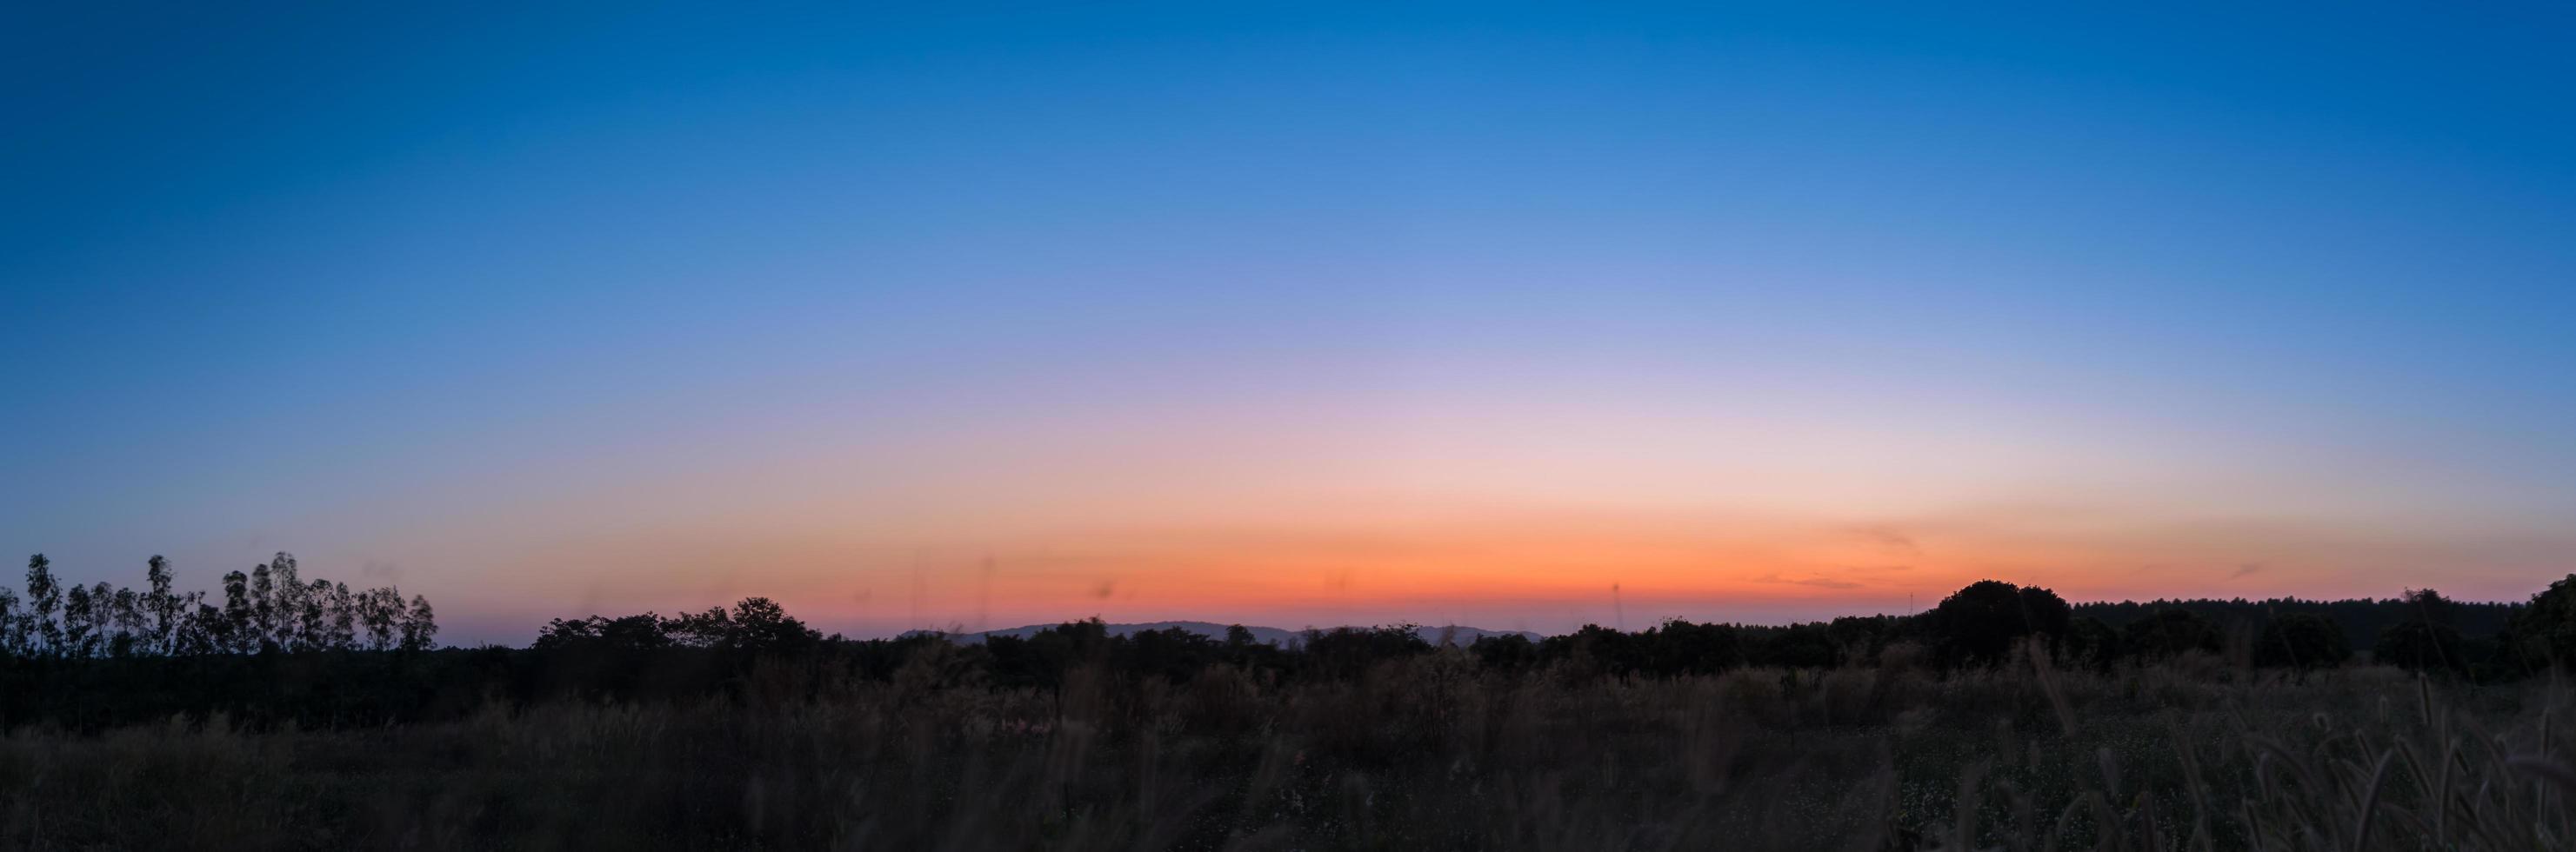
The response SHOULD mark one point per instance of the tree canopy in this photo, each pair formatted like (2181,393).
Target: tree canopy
(269,609)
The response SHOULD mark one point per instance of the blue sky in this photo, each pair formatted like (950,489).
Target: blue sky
(535,310)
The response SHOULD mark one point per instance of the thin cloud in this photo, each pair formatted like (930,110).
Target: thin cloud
(1887,537)
(1818,582)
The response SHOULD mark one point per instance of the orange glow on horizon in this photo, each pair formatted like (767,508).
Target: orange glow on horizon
(1533,570)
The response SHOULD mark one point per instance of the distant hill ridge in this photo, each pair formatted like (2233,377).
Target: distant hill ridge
(1267,635)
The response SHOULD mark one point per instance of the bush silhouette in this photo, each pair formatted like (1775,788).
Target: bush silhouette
(2301,640)
(2546,628)
(2170,632)
(1506,652)
(1348,651)
(2420,646)
(1802,646)
(1979,624)
(2091,644)
(1682,647)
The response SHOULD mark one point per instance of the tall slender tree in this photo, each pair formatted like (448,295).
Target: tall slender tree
(419,625)
(288,606)
(344,617)
(232,633)
(266,609)
(162,604)
(13,625)
(127,613)
(263,608)
(312,616)
(79,622)
(381,611)
(203,631)
(44,600)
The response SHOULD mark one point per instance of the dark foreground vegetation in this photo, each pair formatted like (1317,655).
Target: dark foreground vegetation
(2003,718)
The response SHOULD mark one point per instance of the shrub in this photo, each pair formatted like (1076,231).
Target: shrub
(1979,624)
(2091,644)
(2420,646)
(2547,626)
(2302,641)
(2169,632)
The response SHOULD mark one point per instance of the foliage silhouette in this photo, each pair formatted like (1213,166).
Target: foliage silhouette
(1977,625)
(2302,640)
(268,610)
(2170,632)
(363,655)
(2546,628)
(738,727)
(2421,646)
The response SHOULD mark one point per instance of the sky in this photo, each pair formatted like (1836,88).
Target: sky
(976,315)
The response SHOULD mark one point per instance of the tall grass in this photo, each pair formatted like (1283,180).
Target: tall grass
(1423,753)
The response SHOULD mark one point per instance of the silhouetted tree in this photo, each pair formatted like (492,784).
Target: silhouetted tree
(1506,652)
(380,610)
(631,633)
(2091,644)
(199,631)
(126,609)
(312,616)
(636,633)
(286,605)
(13,626)
(234,632)
(2301,640)
(2547,626)
(2424,640)
(1347,651)
(700,629)
(1861,636)
(2361,620)
(755,625)
(1595,649)
(1060,648)
(1799,646)
(2170,632)
(343,608)
(263,608)
(44,599)
(80,622)
(2430,607)
(1980,623)
(162,604)
(760,624)
(2420,645)
(102,617)
(105,620)
(1173,653)
(1681,647)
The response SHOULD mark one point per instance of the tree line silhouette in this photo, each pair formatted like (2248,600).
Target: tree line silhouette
(2360,620)
(1984,624)
(281,649)
(269,609)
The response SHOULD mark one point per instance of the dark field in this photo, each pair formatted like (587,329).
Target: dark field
(1428,752)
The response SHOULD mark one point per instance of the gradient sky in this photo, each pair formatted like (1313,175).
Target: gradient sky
(1290,313)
